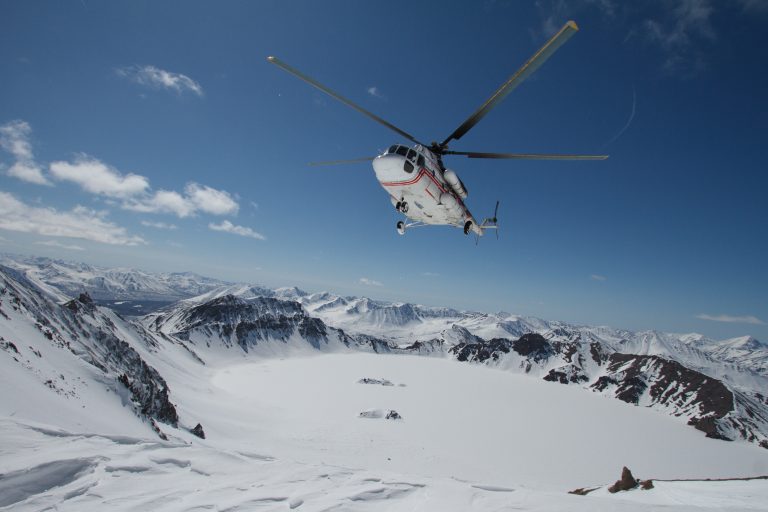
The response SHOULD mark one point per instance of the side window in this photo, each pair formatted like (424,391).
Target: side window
(411,155)
(420,162)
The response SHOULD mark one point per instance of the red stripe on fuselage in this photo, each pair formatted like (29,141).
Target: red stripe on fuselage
(423,172)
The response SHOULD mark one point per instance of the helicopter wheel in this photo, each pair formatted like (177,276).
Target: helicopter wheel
(400,227)
(467,227)
(404,207)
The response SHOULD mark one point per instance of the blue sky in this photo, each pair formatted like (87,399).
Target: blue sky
(156,135)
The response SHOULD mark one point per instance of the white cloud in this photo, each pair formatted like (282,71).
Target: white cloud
(597,277)
(98,178)
(55,243)
(157,78)
(375,92)
(731,319)
(430,274)
(162,201)
(14,138)
(369,282)
(80,222)
(158,225)
(228,227)
(210,200)
(196,198)
(27,171)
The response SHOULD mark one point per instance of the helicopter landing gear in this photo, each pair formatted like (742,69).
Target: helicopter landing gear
(467,227)
(400,227)
(402,207)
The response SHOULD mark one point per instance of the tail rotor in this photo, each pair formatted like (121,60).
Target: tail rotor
(492,222)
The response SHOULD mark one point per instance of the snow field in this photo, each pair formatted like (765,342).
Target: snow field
(459,421)
(284,434)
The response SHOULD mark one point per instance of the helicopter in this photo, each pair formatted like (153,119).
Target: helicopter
(418,184)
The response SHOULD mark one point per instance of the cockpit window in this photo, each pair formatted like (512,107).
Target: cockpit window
(402,150)
(392,149)
(411,155)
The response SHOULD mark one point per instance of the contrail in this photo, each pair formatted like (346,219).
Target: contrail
(629,121)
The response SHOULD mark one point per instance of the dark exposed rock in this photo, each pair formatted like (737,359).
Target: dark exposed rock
(150,393)
(198,431)
(393,415)
(380,382)
(7,345)
(626,482)
(534,346)
(82,303)
(566,375)
(481,352)
(597,352)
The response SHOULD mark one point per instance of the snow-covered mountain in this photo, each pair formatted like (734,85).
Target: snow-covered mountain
(717,386)
(86,393)
(62,279)
(738,360)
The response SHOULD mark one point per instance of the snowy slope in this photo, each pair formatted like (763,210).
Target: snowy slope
(286,433)
(74,357)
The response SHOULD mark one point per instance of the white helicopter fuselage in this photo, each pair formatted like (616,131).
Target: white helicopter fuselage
(421,190)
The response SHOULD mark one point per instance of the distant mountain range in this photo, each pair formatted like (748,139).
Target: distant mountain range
(63,279)
(717,386)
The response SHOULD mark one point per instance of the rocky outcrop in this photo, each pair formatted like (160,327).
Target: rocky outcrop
(198,431)
(625,483)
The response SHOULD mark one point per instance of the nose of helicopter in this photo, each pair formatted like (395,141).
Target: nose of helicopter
(389,167)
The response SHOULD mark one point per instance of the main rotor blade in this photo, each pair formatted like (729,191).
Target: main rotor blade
(285,67)
(524,72)
(338,162)
(525,156)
